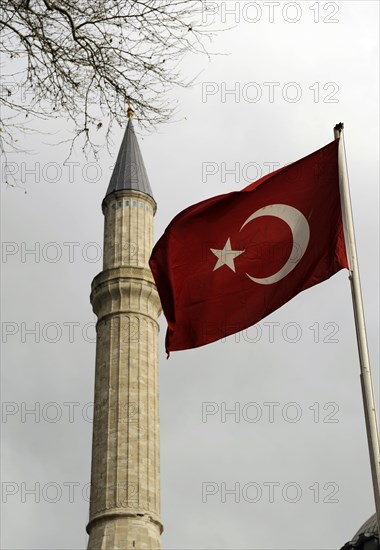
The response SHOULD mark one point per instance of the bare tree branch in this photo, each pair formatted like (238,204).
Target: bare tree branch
(87,60)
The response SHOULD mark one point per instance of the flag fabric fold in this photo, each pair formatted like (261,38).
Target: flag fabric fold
(227,262)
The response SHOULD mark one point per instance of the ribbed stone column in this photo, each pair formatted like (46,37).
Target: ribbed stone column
(125,475)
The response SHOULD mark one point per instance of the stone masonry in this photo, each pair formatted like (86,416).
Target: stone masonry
(125,473)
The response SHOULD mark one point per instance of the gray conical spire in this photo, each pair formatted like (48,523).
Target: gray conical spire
(129,171)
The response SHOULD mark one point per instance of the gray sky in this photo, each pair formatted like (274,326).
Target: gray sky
(302,484)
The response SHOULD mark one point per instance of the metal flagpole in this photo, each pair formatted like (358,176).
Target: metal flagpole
(365,368)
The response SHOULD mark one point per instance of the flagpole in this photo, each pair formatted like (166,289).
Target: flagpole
(365,368)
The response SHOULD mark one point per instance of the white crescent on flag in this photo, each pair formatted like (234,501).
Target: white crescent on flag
(300,229)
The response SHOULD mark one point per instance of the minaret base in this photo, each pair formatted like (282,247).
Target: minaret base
(125,533)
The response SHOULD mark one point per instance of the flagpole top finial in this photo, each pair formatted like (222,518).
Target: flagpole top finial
(339,127)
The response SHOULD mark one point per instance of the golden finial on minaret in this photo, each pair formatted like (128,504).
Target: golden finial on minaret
(130,111)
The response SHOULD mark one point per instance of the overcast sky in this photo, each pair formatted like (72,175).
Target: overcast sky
(301,471)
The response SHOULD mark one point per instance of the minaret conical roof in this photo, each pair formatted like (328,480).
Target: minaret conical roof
(129,171)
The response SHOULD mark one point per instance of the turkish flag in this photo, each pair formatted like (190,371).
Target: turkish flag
(227,262)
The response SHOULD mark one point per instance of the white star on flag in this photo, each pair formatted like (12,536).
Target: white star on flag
(226,256)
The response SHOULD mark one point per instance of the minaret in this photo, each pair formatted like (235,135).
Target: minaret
(125,472)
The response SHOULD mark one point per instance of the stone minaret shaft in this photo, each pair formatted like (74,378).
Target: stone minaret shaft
(125,474)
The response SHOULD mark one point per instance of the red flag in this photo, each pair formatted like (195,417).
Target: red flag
(227,262)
